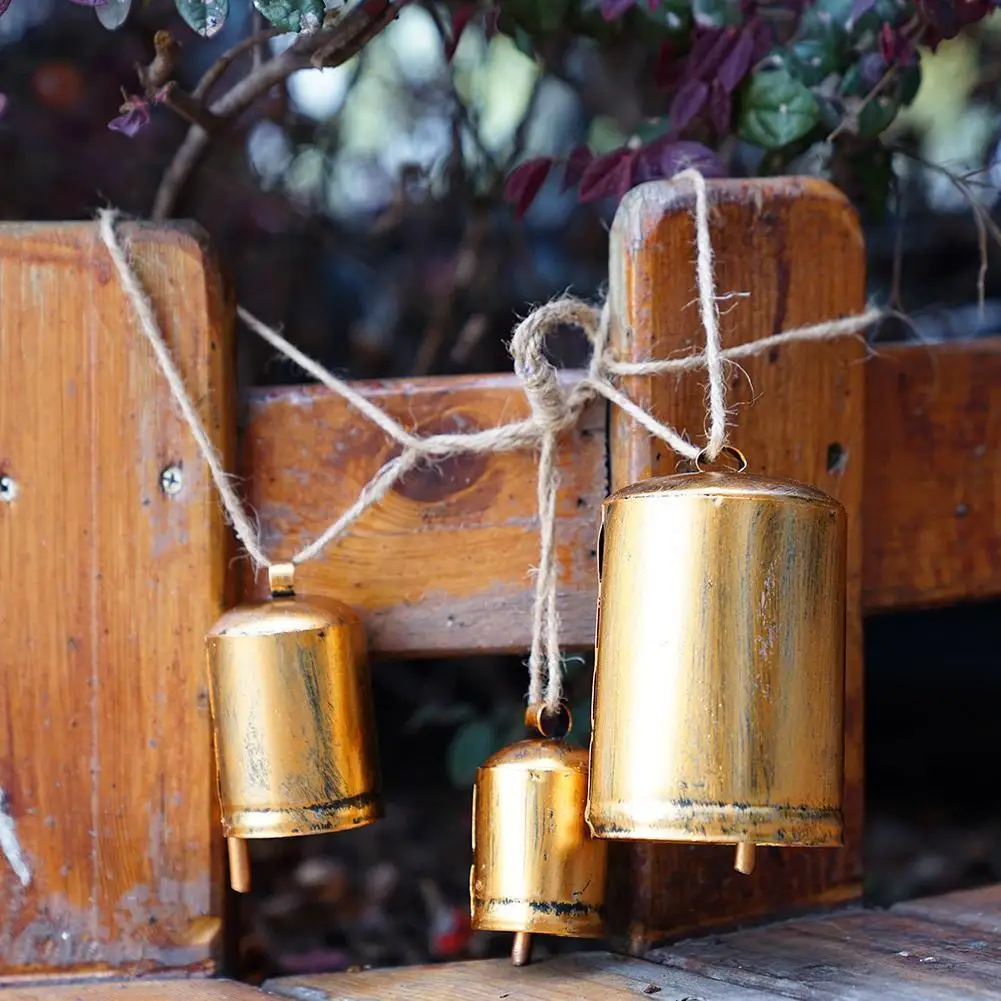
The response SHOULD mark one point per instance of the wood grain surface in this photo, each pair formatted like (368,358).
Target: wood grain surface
(596,976)
(795,248)
(932,497)
(923,951)
(140,990)
(107,586)
(943,954)
(444,562)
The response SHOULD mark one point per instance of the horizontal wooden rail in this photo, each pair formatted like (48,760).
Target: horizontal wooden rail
(442,566)
(443,563)
(932,489)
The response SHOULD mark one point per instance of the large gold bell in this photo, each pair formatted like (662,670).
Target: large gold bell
(536,869)
(719,665)
(291,704)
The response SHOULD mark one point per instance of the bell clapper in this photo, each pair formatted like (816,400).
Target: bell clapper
(744,860)
(521,951)
(239,865)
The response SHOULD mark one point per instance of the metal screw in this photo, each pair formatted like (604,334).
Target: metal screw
(171,480)
(8,489)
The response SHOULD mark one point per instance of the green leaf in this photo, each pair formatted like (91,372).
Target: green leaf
(114,13)
(909,82)
(776,109)
(876,116)
(292,15)
(523,42)
(874,173)
(204,16)
(472,744)
(717,13)
(811,60)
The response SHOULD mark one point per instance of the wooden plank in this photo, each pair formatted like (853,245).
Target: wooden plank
(978,910)
(857,955)
(932,511)
(107,586)
(594,976)
(140,990)
(443,563)
(795,247)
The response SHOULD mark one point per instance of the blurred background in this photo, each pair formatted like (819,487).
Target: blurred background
(362,208)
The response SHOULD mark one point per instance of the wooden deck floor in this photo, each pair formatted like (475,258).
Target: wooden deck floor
(938,949)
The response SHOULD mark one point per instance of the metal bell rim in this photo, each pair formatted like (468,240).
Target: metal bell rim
(539,754)
(293,614)
(715,483)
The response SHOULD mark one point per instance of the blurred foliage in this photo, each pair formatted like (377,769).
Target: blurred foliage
(728,85)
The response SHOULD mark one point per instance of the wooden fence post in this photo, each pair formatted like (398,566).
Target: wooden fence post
(113,563)
(794,246)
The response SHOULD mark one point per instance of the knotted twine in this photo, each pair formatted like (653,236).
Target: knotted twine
(554,409)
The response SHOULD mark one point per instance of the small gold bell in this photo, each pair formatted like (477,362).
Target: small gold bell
(291,704)
(719,665)
(536,869)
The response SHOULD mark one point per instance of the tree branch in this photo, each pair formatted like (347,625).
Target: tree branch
(330,46)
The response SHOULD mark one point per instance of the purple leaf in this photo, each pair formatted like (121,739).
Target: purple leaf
(737,62)
(706,58)
(607,176)
(577,162)
(860,8)
(687,103)
(134,116)
(4,4)
(720,107)
(674,157)
(611,9)
(525,182)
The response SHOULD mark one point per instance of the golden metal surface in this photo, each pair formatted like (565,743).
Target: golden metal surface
(744,859)
(281,579)
(536,869)
(292,708)
(557,724)
(717,712)
(521,951)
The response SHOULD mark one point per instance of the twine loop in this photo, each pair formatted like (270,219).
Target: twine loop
(555,408)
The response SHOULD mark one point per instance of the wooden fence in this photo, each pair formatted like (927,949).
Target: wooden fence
(114,557)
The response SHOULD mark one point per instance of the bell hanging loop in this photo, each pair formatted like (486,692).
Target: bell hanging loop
(291,703)
(536,869)
(718,696)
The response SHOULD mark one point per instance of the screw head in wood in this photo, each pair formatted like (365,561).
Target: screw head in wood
(172,480)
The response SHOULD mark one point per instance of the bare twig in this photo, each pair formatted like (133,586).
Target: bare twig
(214,73)
(329,46)
(987,228)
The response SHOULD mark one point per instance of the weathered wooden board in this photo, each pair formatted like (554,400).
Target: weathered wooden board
(795,247)
(443,563)
(850,955)
(140,990)
(107,586)
(857,955)
(595,976)
(932,497)
(977,910)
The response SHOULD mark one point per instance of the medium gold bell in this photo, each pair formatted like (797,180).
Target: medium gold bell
(291,702)
(536,869)
(719,665)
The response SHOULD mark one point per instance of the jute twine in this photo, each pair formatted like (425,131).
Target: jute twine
(555,408)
